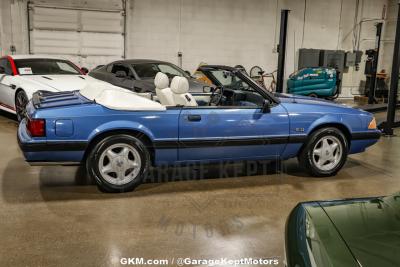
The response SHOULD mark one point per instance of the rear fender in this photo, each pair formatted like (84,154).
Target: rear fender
(120,125)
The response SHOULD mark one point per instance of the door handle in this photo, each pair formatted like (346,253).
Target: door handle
(194,118)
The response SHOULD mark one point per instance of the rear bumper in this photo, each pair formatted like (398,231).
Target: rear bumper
(43,152)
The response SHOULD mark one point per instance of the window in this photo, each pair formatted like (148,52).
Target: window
(43,66)
(5,63)
(109,67)
(169,70)
(236,91)
(230,80)
(149,70)
(65,67)
(120,67)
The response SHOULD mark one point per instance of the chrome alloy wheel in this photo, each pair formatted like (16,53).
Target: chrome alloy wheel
(327,153)
(120,164)
(20,105)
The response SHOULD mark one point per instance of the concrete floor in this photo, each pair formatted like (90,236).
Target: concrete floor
(53,216)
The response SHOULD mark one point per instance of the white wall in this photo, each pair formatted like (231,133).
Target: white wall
(232,32)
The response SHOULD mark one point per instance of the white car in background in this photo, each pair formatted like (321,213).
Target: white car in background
(23,75)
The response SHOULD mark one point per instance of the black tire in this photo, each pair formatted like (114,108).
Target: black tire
(313,95)
(336,95)
(307,158)
(21,100)
(97,154)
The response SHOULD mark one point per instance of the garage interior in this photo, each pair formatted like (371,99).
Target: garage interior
(55,216)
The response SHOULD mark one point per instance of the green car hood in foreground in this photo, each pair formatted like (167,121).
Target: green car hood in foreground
(354,232)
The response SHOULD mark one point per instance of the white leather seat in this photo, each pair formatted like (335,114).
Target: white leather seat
(180,88)
(163,91)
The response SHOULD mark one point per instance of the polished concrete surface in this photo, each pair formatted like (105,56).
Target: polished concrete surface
(54,216)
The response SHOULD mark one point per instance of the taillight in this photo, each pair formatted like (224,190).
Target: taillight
(36,127)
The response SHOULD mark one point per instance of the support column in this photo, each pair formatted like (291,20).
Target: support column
(282,50)
(394,80)
(372,85)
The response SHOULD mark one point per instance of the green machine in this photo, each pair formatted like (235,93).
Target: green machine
(320,82)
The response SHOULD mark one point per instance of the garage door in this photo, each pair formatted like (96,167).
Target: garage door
(85,36)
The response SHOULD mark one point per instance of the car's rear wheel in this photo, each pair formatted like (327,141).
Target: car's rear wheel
(21,100)
(118,163)
(325,153)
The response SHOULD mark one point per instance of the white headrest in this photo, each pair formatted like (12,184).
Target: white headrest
(161,80)
(179,85)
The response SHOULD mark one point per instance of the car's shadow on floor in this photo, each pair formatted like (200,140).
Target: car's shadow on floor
(57,186)
(8,115)
(20,183)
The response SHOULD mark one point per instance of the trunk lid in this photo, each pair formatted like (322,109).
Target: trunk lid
(44,99)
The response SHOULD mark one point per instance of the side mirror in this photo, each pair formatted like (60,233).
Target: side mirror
(85,70)
(2,70)
(207,89)
(120,74)
(266,106)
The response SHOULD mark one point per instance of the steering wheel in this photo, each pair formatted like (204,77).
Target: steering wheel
(216,96)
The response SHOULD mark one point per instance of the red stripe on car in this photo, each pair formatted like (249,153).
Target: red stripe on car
(13,66)
(7,106)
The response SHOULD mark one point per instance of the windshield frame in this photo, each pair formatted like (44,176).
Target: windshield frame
(206,69)
(20,61)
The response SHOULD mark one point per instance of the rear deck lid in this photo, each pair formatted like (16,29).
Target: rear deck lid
(45,99)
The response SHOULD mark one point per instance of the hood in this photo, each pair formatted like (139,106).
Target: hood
(370,228)
(292,96)
(289,98)
(286,98)
(58,82)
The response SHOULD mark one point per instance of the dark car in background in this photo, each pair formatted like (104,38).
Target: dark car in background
(138,74)
(350,232)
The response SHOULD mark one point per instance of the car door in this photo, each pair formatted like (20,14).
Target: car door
(247,127)
(214,133)
(7,90)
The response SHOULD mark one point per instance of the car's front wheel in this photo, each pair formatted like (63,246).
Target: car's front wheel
(21,100)
(325,153)
(118,163)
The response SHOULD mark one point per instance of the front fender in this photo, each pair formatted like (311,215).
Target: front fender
(120,125)
(335,119)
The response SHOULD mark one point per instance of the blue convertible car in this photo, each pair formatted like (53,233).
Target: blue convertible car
(118,134)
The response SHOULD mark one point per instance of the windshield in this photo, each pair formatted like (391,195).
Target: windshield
(149,70)
(235,79)
(41,66)
(230,80)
